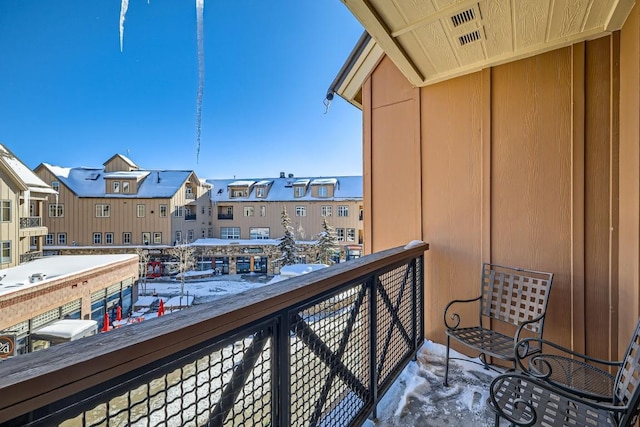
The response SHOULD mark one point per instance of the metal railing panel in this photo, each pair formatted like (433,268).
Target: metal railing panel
(319,350)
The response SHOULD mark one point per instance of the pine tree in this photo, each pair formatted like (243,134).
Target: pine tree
(327,243)
(287,245)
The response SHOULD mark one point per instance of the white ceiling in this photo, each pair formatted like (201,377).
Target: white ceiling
(434,40)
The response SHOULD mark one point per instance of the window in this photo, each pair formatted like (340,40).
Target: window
(209,210)
(238,193)
(343,210)
(351,234)
(229,232)
(179,211)
(260,191)
(126,238)
(301,211)
(108,238)
(55,185)
(298,191)
(260,233)
(326,210)
(189,235)
(157,238)
(62,238)
(116,186)
(5,251)
(97,238)
(146,238)
(48,240)
(202,210)
(140,211)
(163,211)
(322,191)
(210,232)
(178,236)
(5,210)
(248,211)
(340,234)
(263,210)
(56,211)
(188,192)
(102,211)
(125,187)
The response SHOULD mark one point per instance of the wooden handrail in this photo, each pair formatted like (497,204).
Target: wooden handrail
(33,380)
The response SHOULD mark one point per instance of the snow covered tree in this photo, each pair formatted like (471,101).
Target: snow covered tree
(184,255)
(287,245)
(327,243)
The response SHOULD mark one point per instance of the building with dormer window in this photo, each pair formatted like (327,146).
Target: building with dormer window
(123,205)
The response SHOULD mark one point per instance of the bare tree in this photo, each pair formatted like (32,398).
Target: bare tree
(143,261)
(184,254)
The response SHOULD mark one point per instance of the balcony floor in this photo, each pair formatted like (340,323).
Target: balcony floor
(418,397)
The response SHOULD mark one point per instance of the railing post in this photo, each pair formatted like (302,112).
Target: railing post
(414,307)
(281,371)
(373,345)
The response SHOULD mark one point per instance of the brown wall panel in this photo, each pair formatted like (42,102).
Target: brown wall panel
(452,159)
(629,179)
(531,174)
(394,159)
(598,197)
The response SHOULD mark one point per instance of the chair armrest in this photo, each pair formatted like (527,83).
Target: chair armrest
(523,352)
(455,317)
(519,398)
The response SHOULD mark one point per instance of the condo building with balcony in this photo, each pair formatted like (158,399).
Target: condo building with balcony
(23,196)
(36,291)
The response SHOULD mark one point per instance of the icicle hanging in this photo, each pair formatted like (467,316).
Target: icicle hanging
(200,35)
(123,12)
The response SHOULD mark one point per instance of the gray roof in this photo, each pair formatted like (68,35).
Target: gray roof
(90,182)
(281,189)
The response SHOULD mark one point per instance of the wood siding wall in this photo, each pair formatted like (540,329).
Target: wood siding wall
(519,165)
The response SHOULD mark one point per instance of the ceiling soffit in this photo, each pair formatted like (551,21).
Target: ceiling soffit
(435,40)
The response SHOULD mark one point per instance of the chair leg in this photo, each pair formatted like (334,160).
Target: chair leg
(446,369)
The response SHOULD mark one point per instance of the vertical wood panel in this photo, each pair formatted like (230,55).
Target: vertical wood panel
(629,178)
(531,174)
(452,115)
(366,167)
(395,159)
(598,303)
(577,205)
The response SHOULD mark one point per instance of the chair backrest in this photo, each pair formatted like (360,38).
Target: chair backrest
(626,388)
(513,295)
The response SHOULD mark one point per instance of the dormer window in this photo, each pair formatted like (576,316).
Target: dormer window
(322,191)
(238,193)
(116,186)
(260,191)
(298,191)
(125,187)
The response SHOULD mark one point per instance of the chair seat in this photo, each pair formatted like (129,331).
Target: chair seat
(486,341)
(519,398)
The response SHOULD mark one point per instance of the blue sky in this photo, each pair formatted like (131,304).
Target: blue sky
(69,97)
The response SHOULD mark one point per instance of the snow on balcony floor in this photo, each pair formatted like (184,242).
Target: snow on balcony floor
(419,398)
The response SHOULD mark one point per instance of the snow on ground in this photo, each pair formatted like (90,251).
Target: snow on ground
(207,289)
(419,398)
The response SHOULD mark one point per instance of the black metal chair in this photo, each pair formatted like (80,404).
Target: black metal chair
(564,389)
(510,296)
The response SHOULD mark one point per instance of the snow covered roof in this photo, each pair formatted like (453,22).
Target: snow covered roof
(26,176)
(241,183)
(241,242)
(345,188)
(89,182)
(66,329)
(53,268)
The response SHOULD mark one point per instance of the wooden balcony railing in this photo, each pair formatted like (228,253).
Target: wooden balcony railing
(318,349)
(30,222)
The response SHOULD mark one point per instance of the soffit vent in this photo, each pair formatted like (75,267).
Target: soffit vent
(463,17)
(469,37)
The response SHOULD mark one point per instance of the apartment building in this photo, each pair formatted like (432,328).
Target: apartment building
(252,208)
(22,196)
(36,291)
(121,205)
